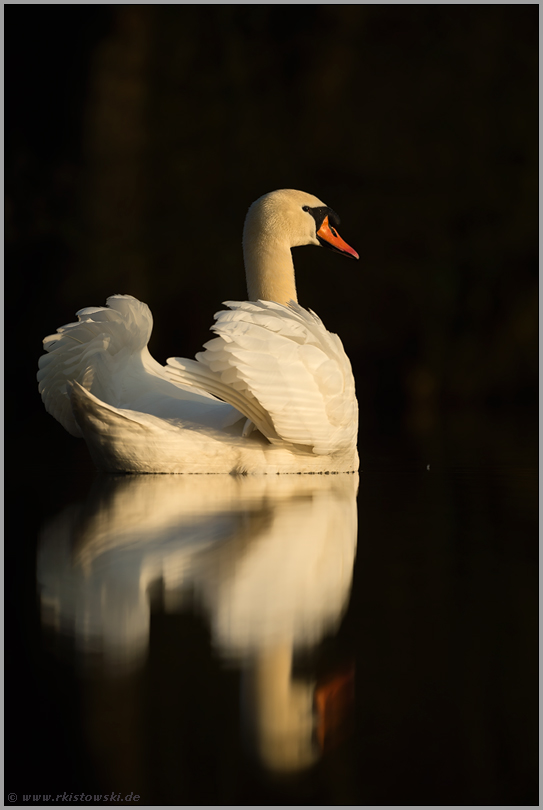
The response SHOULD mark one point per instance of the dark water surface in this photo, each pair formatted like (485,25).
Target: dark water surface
(334,640)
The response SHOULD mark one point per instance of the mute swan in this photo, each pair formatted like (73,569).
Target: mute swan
(273,392)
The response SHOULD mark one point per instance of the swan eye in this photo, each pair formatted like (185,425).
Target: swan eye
(305,208)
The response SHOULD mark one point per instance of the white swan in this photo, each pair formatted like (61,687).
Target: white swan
(273,392)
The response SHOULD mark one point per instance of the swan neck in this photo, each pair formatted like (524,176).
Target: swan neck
(269,270)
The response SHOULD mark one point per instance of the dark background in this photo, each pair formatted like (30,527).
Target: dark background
(136,139)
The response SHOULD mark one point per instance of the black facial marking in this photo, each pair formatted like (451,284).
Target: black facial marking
(320,213)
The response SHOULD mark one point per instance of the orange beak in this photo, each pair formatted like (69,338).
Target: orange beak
(331,238)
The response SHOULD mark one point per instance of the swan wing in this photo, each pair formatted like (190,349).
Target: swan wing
(106,352)
(89,351)
(283,370)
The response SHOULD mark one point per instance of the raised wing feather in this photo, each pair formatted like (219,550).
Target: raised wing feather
(280,367)
(106,352)
(90,351)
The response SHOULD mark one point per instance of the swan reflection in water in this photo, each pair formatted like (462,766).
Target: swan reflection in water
(270,559)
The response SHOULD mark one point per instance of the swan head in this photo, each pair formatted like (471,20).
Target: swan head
(294,218)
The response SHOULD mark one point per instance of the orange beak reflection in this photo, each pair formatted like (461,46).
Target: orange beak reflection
(328,235)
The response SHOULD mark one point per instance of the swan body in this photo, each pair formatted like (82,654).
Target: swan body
(272,392)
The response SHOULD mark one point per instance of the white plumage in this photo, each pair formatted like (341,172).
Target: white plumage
(272,392)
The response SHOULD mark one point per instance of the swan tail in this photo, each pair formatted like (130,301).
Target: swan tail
(89,352)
